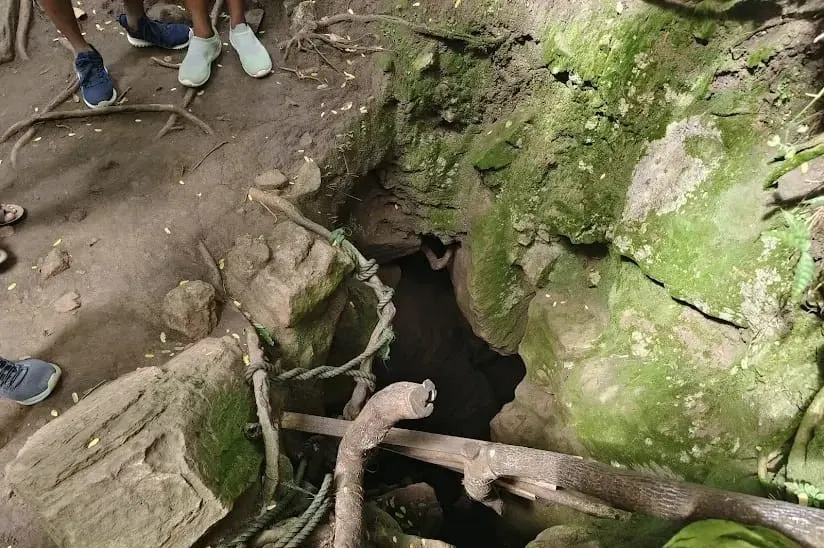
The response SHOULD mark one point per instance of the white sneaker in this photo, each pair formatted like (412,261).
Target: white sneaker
(196,67)
(253,56)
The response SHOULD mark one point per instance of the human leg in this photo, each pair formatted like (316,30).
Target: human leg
(204,47)
(253,56)
(62,15)
(142,32)
(96,85)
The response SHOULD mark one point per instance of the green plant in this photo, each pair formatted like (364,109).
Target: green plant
(796,235)
(807,493)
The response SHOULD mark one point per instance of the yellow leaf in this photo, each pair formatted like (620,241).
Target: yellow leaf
(12,286)
(805,167)
(162,337)
(457,3)
(246,359)
(57,242)
(54,413)
(148,356)
(94,442)
(166,230)
(75,397)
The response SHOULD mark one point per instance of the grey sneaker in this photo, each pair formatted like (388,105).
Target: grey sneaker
(253,56)
(27,381)
(196,67)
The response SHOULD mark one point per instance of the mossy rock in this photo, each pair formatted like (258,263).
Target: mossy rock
(727,534)
(660,387)
(695,221)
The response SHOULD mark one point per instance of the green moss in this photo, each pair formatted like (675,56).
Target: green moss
(499,292)
(759,56)
(227,459)
(706,245)
(498,146)
(788,165)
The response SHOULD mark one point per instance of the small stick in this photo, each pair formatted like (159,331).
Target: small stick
(187,100)
(164,63)
(103,111)
(29,134)
(396,402)
(269,428)
(123,95)
(214,148)
(23,23)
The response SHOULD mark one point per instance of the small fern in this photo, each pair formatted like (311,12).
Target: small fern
(797,236)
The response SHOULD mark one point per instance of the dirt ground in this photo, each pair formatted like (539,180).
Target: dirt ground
(110,181)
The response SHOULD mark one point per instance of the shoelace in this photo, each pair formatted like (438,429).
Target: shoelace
(8,374)
(93,72)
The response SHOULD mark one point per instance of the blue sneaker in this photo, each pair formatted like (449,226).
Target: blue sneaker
(155,33)
(28,381)
(96,85)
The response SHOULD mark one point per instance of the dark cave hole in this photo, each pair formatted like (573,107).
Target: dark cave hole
(434,341)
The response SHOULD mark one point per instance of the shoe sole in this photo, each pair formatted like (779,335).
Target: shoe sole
(138,43)
(49,389)
(106,103)
(191,84)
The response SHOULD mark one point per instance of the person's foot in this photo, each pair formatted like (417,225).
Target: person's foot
(196,67)
(96,85)
(27,381)
(154,33)
(253,56)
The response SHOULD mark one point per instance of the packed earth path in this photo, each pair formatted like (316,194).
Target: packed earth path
(129,208)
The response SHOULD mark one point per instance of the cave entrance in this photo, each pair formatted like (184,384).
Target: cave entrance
(434,341)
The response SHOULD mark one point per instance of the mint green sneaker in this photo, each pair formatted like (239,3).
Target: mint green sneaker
(253,56)
(196,67)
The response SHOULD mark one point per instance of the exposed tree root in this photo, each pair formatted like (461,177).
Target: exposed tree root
(8,18)
(396,402)
(23,24)
(164,63)
(813,417)
(312,30)
(172,120)
(269,428)
(104,111)
(29,134)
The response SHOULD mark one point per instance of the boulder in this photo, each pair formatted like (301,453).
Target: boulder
(154,458)
(274,179)
(290,282)
(190,309)
(307,182)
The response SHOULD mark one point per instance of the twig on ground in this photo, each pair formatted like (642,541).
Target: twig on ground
(164,63)
(301,74)
(170,122)
(29,134)
(396,402)
(122,98)
(269,428)
(214,270)
(214,148)
(103,111)
(23,24)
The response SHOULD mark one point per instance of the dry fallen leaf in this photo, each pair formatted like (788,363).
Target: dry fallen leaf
(75,397)
(97,130)
(347,106)
(148,356)
(166,230)
(36,139)
(246,359)
(221,264)
(349,76)
(94,442)
(805,167)
(12,286)
(54,413)
(163,337)
(57,242)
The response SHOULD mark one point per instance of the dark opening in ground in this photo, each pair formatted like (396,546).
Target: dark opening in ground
(434,341)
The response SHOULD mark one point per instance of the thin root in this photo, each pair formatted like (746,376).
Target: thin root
(23,24)
(170,123)
(103,111)
(29,134)
(164,63)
